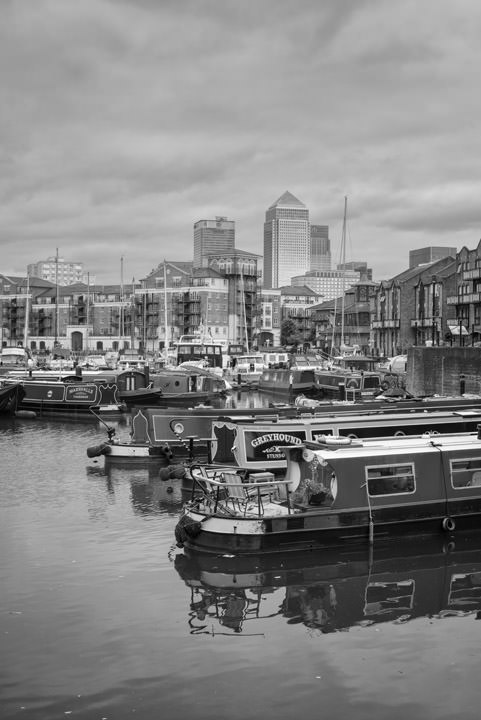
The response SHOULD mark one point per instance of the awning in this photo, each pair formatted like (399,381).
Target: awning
(454,330)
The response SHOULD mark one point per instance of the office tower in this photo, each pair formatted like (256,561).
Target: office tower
(287,241)
(212,237)
(425,255)
(320,248)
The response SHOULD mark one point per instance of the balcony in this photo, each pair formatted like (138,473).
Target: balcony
(466,299)
(472,274)
(385,324)
(426,322)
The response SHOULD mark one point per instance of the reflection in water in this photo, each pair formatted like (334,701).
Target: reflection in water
(337,594)
(149,494)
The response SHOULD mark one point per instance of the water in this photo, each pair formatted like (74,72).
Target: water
(101,618)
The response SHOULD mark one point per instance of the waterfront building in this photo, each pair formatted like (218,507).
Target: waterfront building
(177,299)
(296,306)
(287,241)
(411,308)
(327,283)
(80,318)
(58,271)
(240,269)
(320,248)
(212,237)
(425,255)
(345,320)
(269,318)
(465,299)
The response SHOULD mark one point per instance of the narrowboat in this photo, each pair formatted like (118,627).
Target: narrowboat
(336,592)
(289,382)
(68,396)
(234,435)
(176,435)
(342,493)
(343,383)
(257,443)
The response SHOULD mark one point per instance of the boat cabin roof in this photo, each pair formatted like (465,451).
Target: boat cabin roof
(407,445)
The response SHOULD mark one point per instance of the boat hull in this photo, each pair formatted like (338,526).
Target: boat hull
(322,531)
(45,396)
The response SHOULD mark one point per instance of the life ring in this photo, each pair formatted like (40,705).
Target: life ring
(448,524)
(385,385)
(399,433)
(352,384)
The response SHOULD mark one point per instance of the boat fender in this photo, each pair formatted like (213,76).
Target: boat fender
(96,450)
(335,440)
(448,524)
(186,528)
(165,449)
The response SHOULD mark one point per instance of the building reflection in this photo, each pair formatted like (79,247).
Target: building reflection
(229,596)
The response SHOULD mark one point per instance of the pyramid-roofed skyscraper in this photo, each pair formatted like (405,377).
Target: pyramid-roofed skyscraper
(287,241)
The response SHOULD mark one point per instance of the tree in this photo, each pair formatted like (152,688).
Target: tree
(290,334)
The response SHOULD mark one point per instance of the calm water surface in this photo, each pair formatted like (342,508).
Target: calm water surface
(100,617)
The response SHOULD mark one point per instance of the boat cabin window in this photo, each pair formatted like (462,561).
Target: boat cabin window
(390,479)
(371,381)
(466,473)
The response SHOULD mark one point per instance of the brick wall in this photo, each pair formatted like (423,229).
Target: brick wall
(438,370)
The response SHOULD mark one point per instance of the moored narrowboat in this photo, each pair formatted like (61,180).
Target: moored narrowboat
(352,492)
(289,382)
(257,443)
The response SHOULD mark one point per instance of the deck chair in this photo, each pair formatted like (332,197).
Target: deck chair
(237,496)
(240,496)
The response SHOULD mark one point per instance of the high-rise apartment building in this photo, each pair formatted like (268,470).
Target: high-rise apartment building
(320,248)
(287,241)
(212,237)
(57,270)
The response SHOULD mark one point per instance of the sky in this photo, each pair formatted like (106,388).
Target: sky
(123,122)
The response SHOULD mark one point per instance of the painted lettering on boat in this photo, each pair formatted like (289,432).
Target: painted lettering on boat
(276,437)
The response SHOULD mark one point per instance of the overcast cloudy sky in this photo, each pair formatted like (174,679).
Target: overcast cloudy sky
(123,122)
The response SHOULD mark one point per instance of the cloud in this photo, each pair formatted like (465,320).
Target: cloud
(125,122)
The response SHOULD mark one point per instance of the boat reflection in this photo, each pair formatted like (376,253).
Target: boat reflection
(343,591)
(149,494)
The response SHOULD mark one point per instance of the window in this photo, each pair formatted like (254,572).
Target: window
(390,479)
(466,473)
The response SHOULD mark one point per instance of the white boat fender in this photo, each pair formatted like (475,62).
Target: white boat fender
(448,524)
(334,440)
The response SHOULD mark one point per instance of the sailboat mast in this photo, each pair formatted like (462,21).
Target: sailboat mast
(343,255)
(121,314)
(88,314)
(56,299)
(244,309)
(165,311)
(27,310)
